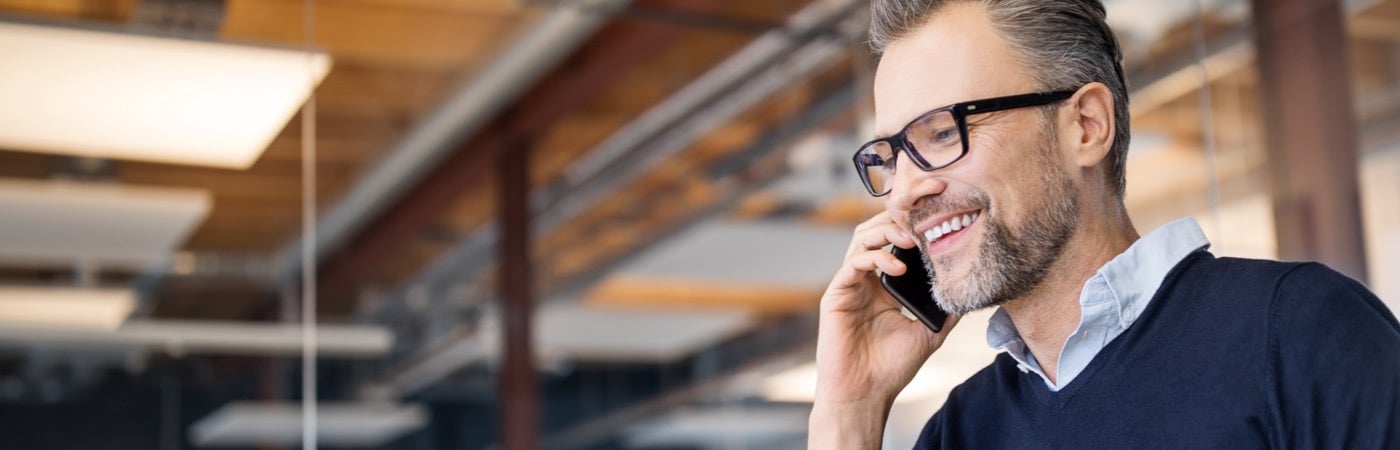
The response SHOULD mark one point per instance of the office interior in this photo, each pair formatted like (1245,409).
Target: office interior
(574,224)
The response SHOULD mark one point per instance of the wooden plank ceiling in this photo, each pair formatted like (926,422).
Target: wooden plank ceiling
(394,61)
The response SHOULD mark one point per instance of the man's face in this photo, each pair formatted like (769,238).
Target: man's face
(1013,187)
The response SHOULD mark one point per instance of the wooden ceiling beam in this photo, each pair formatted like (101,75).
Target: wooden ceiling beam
(364,89)
(651,293)
(485,8)
(279,186)
(118,11)
(330,149)
(1370,27)
(370,33)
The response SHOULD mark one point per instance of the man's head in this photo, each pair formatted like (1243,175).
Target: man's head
(1028,172)
(1062,44)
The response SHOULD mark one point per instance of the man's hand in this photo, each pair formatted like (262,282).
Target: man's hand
(866,350)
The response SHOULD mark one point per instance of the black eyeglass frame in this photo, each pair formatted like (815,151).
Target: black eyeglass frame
(900,141)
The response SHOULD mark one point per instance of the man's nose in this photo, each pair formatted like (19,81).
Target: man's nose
(912,186)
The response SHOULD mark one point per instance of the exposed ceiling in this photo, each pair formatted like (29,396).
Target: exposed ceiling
(735,214)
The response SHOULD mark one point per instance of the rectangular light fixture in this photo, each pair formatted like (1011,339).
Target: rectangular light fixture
(61,223)
(65,308)
(248,424)
(208,337)
(721,427)
(125,96)
(584,333)
(567,330)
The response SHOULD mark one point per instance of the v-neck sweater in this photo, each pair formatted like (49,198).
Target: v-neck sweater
(1230,353)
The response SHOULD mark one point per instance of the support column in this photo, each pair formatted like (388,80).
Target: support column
(519,392)
(1310,131)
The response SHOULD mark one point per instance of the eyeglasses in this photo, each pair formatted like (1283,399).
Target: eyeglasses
(936,139)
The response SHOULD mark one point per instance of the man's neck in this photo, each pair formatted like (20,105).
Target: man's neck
(1047,315)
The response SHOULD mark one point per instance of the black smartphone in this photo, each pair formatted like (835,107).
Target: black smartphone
(913,289)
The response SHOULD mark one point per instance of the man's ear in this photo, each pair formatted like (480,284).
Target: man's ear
(1091,115)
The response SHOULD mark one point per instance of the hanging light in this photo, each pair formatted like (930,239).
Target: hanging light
(124,96)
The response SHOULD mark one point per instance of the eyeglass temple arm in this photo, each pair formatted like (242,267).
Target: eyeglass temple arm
(1015,101)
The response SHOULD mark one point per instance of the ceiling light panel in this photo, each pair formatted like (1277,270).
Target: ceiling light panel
(62,223)
(738,427)
(581,332)
(207,337)
(65,308)
(356,425)
(124,96)
(774,253)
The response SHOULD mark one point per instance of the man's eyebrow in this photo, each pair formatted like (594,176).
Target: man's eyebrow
(882,136)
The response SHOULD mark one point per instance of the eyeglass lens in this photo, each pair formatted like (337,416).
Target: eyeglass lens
(936,137)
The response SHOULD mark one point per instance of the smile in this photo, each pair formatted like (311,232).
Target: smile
(951,225)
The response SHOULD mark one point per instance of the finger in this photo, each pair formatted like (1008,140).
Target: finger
(879,236)
(899,237)
(857,267)
(870,260)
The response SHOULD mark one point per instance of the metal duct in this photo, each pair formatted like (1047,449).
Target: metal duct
(752,74)
(503,80)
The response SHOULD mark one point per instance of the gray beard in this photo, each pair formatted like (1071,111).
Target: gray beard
(1012,261)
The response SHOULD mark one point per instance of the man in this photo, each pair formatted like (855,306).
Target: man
(1004,131)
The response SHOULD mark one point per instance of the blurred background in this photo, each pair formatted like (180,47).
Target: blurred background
(677,172)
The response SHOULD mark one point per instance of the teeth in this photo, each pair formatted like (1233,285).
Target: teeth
(954,224)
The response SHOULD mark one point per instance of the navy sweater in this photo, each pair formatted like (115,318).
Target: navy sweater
(1230,353)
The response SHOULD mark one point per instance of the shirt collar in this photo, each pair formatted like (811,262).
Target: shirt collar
(1132,277)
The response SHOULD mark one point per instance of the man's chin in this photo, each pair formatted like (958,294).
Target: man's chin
(962,301)
(973,290)
(964,308)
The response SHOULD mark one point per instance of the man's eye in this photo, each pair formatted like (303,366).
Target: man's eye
(944,136)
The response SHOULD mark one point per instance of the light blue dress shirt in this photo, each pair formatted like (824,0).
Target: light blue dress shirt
(1111,300)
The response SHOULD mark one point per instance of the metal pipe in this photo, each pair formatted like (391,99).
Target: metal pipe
(504,79)
(665,129)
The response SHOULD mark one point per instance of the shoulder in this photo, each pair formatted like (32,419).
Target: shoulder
(1306,302)
(1312,295)
(1204,275)
(1227,271)
(1325,327)
(1334,353)
(1218,287)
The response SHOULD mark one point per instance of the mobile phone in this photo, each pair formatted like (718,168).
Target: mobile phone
(913,289)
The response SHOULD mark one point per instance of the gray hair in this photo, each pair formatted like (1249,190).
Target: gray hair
(1065,43)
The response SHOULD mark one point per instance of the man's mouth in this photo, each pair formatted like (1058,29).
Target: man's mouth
(951,225)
